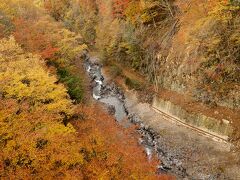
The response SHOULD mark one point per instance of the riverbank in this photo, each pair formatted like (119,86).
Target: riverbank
(182,151)
(201,157)
(183,100)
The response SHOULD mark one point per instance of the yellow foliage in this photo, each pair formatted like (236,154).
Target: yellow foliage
(23,77)
(132,11)
(35,140)
(58,128)
(32,134)
(223,11)
(70,45)
(6,8)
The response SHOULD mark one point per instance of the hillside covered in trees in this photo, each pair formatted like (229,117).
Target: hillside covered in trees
(182,48)
(50,128)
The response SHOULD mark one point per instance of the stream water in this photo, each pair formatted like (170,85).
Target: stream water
(106,93)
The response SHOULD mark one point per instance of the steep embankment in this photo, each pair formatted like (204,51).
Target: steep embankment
(203,58)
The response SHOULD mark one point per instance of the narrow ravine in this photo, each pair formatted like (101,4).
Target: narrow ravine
(173,160)
(111,95)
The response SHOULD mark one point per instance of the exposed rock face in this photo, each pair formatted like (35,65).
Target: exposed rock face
(195,60)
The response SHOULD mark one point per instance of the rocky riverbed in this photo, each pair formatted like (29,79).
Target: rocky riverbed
(182,152)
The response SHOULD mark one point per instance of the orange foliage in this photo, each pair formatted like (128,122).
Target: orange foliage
(49,52)
(56,7)
(116,149)
(34,143)
(100,149)
(35,37)
(119,7)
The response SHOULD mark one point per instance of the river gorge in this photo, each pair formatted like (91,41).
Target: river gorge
(183,153)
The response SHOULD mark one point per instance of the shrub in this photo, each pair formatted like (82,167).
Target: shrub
(115,71)
(133,84)
(74,84)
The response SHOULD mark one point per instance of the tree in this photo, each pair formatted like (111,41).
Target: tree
(36,139)
(56,8)
(29,80)
(119,7)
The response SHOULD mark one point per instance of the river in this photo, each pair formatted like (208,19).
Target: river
(182,153)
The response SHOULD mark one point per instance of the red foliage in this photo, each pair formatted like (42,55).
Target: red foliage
(118,146)
(49,52)
(119,7)
(102,7)
(34,38)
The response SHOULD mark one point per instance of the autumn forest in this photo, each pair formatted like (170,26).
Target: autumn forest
(185,52)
